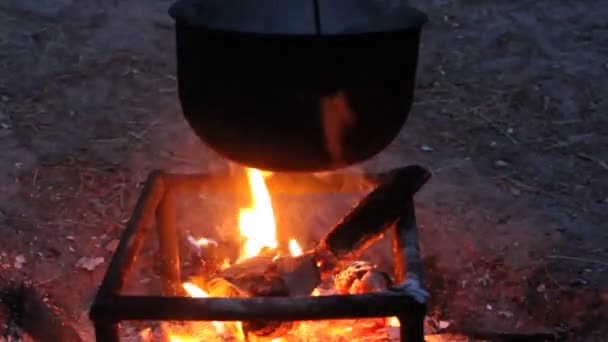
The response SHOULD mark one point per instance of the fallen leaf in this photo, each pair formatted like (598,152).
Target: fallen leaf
(89,264)
(19,261)
(111,246)
(501,163)
(505,314)
(541,288)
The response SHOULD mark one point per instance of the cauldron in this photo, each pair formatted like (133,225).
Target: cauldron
(296,85)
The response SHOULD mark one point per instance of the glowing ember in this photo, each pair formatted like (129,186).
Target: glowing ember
(256,223)
(197,292)
(394,322)
(294,248)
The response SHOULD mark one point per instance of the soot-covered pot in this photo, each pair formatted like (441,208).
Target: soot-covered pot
(297,85)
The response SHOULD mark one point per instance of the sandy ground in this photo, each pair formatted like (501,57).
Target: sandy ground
(510,108)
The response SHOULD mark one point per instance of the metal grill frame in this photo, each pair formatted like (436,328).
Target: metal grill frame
(156,204)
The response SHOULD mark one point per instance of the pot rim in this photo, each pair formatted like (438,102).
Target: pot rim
(403,18)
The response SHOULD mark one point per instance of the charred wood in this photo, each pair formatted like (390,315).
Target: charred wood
(366,223)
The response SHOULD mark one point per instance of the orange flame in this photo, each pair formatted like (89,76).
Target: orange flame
(256,223)
(294,248)
(197,292)
(257,227)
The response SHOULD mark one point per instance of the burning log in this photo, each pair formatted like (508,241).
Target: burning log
(208,256)
(361,277)
(293,276)
(366,223)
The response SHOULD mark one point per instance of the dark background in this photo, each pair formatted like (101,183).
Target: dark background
(510,113)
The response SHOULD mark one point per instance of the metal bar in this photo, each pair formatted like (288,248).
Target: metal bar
(278,183)
(410,245)
(408,265)
(133,236)
(168,244)
(406,247)
(106,331)
(399,267)
(378,304)
(412,326)
(155,198)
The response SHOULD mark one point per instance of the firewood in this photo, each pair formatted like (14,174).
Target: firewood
(289,276)
(366,223)
(361,277)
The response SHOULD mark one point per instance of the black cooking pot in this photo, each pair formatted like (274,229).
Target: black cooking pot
(296,85)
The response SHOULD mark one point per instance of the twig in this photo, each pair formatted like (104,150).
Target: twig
(121,193)
(572,140)
(49,280)
(530,188)
(35,178)
(601,163)
(168,154)
(566,122)
(80,186)
(583,260)
(550,277)
(496,127)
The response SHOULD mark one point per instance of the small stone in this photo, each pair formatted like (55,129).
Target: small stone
(89,264)
(501,163)
(426,148)
(493,144)
(19,261)
(71,249)
(510,130)
(579,282)
(70,237)
(505,314)
(489,307)
(112,245)
(443,325)
(541,288)
(515,191)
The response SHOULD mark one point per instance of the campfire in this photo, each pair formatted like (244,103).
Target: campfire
(272,292)
(258,233)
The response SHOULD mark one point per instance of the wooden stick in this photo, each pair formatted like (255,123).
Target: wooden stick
(366,223)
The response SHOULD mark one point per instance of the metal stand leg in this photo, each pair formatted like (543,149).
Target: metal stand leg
(408,263)
(106,332)
(168,244)
(412,326)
